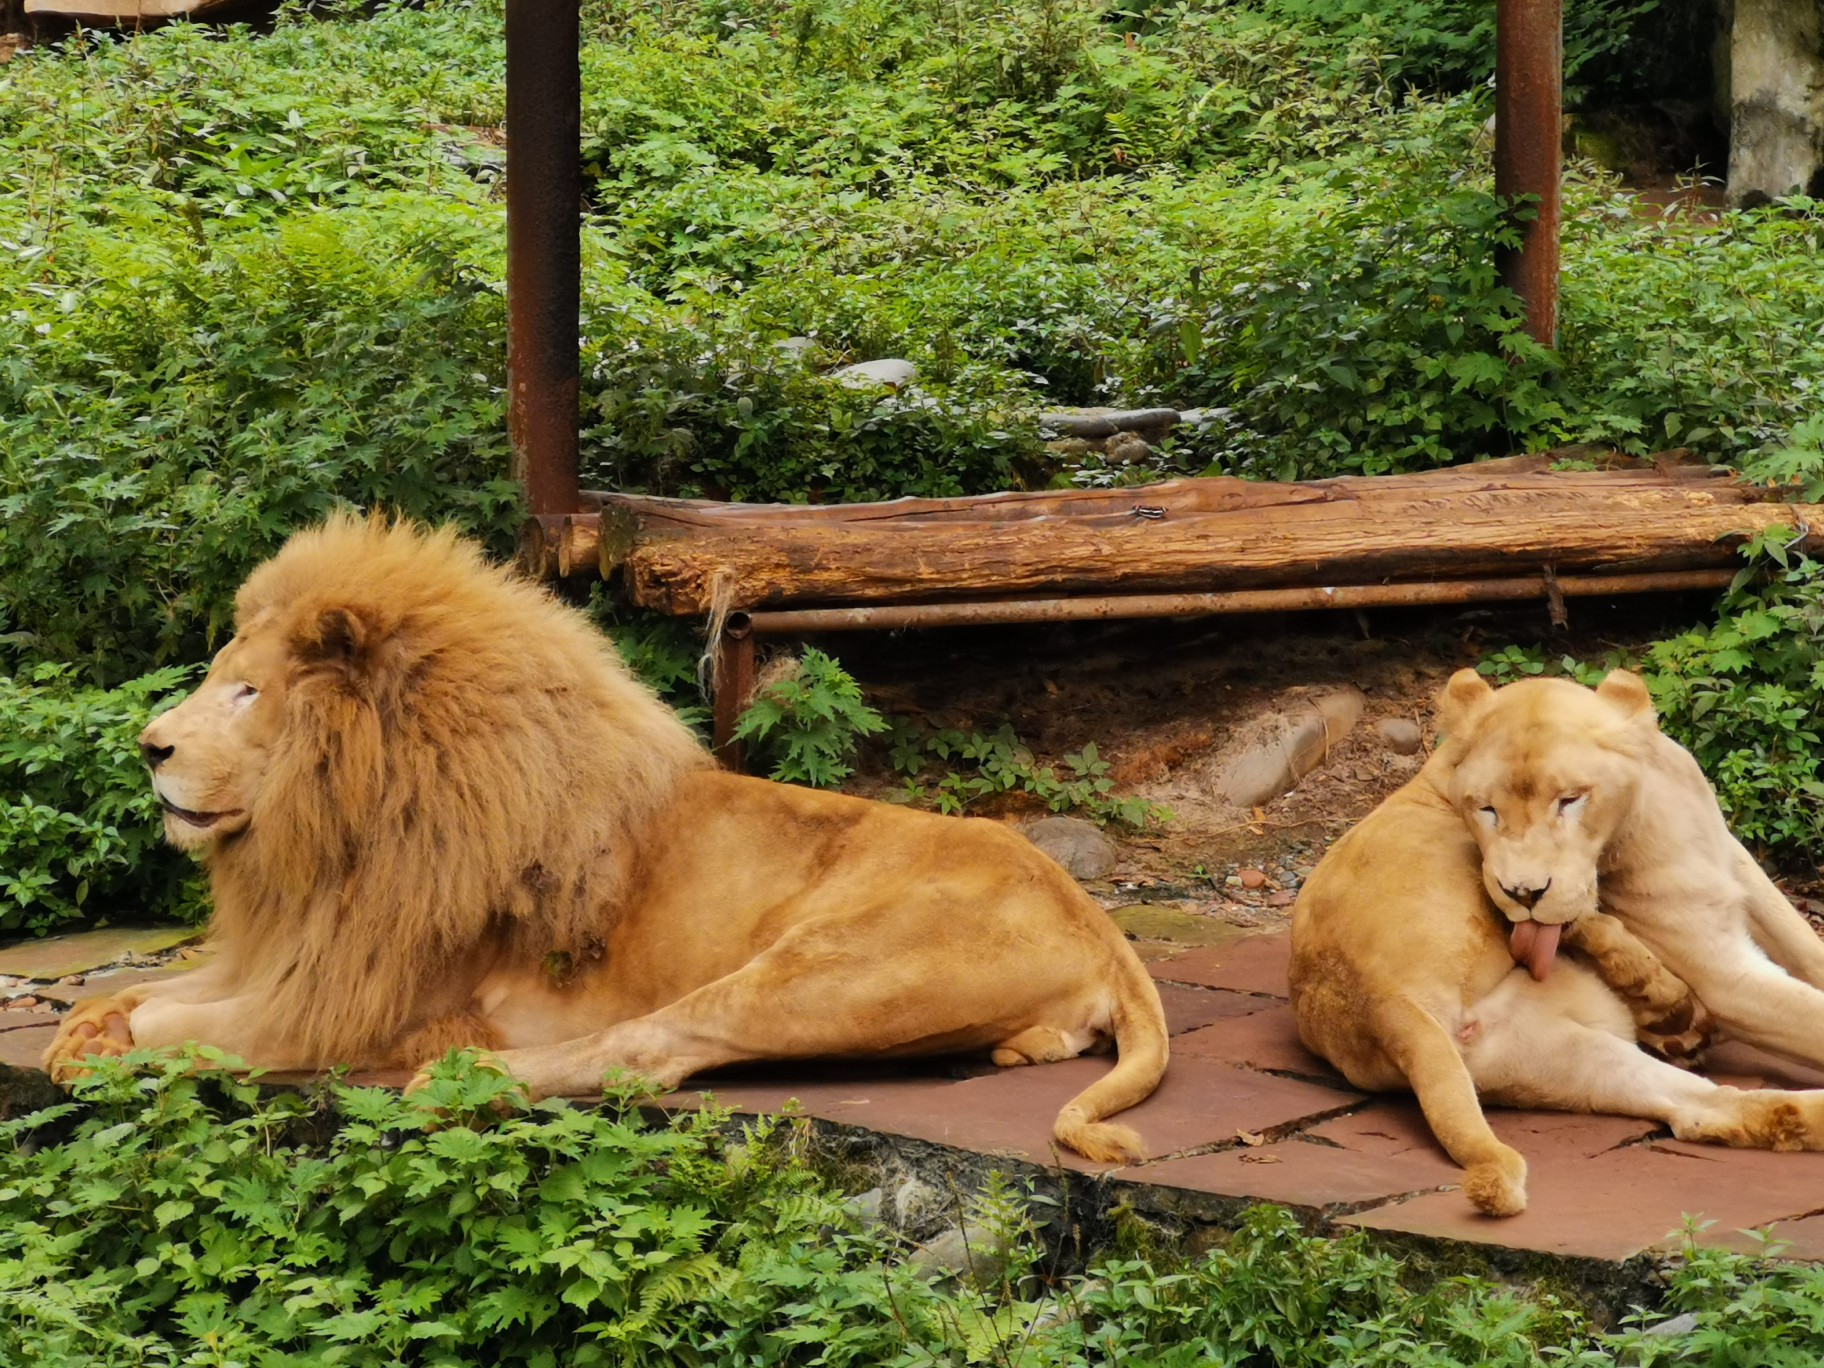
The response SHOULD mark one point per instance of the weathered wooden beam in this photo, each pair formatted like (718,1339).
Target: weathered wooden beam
(1353,542)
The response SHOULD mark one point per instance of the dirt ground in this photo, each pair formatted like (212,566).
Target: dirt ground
(1162,701)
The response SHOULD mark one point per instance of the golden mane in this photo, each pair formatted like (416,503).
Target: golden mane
(464,762)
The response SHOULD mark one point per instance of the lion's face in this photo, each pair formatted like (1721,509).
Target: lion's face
(208,754)
(1547,771)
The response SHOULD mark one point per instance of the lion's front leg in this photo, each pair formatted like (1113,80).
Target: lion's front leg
(95,1027)
(1668,1018)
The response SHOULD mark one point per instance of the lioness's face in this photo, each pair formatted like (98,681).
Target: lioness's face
(208,754)
(1545,776)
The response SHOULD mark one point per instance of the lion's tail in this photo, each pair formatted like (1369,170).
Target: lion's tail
(1140,1040)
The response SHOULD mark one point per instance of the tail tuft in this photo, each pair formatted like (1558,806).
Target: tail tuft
(1100,1142)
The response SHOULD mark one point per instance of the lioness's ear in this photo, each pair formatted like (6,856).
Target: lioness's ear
(1626,692)
(1465,692)
(339,636)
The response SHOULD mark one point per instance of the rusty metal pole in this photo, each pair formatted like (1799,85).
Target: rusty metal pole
(544,248)
(1529,120)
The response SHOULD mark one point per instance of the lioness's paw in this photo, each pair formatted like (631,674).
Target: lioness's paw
(1682,1035)
(93,1029)
(1497,1188)
(434,1084)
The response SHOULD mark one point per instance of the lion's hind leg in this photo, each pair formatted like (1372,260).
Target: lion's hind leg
(1568,1045)
(1494,1173)
(1046,1045)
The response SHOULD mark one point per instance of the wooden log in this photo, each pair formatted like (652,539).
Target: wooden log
(1357,541)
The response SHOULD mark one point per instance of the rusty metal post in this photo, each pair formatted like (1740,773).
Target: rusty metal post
(1529,121)
(544,248)
(733,683)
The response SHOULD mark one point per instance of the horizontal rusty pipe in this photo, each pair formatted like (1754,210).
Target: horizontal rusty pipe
(801,621)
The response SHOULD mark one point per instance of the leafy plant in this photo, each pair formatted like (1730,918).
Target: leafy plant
(809,722)
(1746,695)
(80,832)
(977,765)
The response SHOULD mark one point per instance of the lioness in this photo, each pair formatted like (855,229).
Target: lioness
(437,810)
(1402,974)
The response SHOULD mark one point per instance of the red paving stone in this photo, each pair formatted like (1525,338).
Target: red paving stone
(1011,1112)
(1264,1039)
(1621,1203)
(1186,1009)
(1298,1173)
(1255,964)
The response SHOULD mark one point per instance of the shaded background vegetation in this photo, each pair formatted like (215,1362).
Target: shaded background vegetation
(244,276)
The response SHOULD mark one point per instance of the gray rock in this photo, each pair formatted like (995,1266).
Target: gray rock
(1400,735)
(1096,424)
(887,373)
(1288,746)
(1775,116)
(966,1251)
(916,1204)
(1678,1325)
(1076,844)
(795,347)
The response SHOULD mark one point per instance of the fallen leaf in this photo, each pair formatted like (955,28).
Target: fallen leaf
(1250,1138)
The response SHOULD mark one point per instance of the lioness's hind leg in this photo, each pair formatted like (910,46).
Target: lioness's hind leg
(1528,1048)
(1040,1045)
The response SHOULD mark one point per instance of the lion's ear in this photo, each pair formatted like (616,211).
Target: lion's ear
(1626,692)
(338,637)
(1466,692)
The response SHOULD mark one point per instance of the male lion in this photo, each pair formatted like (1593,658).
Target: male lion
(437,810)
(1402,974)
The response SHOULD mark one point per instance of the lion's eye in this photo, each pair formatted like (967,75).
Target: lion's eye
(1571,802)
(246,694)
(1488,814)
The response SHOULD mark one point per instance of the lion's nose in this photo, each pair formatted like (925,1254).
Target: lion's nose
(155,755)
(1527,897)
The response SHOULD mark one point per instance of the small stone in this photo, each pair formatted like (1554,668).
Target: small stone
(23,1004)
(1399,734)
(967,1251)
(1678,1325)
(1076,844)
(1282,899)
(887,373)
(71,981)
(1253,878)
(1233,881)
(915,1203)
(794,347)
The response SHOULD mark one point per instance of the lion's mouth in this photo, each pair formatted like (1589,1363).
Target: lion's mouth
(202,821)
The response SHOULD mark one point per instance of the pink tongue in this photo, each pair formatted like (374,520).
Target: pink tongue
(1535,945)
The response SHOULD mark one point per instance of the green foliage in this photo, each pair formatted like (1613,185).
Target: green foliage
(182,1218)
(976,765)
(810,722)
(80,834)
(1746,696)
(1798,467)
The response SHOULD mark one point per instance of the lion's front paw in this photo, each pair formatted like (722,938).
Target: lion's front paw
(1682,1035)
(95,1028)
(445,1092)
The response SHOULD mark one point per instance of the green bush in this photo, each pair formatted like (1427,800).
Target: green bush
(80,833)
(1746,696)
(809,722)
(181,1218)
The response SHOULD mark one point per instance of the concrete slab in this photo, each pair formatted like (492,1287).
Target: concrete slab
(23,1048)
(1254,964)
(60,956)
